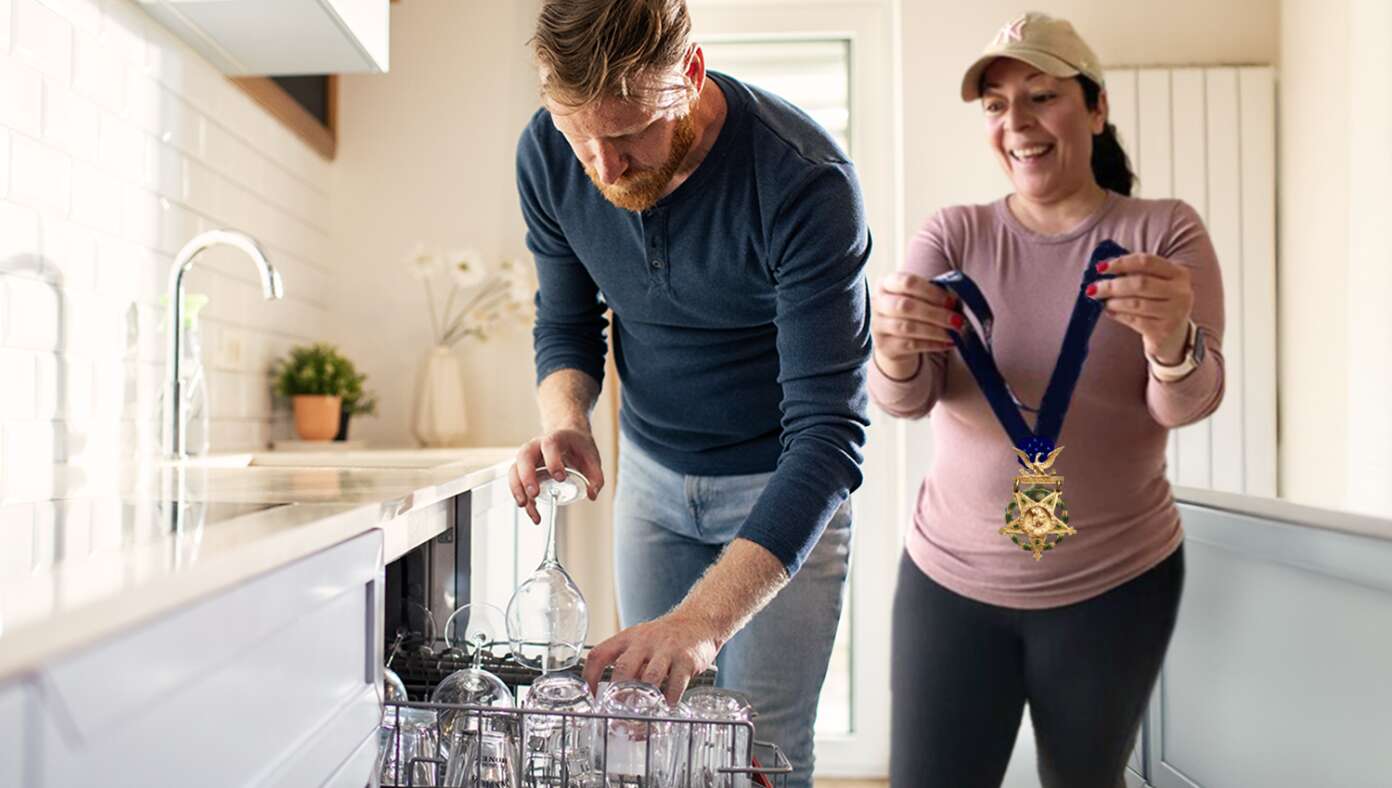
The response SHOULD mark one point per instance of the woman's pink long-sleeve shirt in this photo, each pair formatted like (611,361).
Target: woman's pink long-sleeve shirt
(1116,429)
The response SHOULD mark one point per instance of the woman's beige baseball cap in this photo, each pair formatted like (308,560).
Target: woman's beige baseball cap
(1050,45)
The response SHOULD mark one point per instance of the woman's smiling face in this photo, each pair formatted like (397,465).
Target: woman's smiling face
(1040,129)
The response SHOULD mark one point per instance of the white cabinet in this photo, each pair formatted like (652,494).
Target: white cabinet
(273,682)
(281,37)
(17,735)
(500,535)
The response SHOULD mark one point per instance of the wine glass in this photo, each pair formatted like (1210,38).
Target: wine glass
(547,619)
(393,688)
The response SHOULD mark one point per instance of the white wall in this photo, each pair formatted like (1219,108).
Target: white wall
(1313,281)
(425,154)
(1336,329)
(117,144)
(1370,259)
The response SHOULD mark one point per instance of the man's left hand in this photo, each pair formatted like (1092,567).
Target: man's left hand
(666,652)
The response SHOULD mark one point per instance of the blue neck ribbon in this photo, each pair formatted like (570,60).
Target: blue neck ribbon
(978,355)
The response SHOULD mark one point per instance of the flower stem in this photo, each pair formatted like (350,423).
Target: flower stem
(434,320)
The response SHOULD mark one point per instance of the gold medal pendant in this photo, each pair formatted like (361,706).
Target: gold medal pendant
(1036,518)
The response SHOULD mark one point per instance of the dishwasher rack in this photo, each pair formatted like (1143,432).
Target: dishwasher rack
(761,764)
(752,764)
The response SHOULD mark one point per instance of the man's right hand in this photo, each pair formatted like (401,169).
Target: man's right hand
(554,451)
(911,317)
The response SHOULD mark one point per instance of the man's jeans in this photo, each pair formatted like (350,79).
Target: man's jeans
(669,527)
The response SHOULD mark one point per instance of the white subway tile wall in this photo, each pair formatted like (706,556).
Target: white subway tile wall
(117,144)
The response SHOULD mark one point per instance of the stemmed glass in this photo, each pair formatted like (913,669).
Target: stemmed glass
(547,619)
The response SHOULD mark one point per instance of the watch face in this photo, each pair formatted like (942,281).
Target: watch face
(1198,345)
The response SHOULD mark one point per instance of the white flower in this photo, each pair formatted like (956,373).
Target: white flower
(422,261)
(467,268)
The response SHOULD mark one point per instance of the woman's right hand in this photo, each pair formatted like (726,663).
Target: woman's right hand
(554,451)
(911,317)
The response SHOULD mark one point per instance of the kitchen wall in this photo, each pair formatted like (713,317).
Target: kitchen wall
(1335,273)
(118,144)
(425,155)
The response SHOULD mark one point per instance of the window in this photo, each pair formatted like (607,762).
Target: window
(813,74)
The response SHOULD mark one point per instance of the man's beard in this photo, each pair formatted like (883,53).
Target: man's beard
(638,191)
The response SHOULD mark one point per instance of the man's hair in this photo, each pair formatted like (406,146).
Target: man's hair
(589,50)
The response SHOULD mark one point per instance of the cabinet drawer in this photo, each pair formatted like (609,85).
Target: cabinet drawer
(17,734)
(229,690)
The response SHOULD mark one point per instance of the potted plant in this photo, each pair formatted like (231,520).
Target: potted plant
(315,378)
(357,401)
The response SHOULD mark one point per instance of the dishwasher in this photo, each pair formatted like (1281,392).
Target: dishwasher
(531,728)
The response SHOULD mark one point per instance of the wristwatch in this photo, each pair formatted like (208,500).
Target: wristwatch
(1193,356)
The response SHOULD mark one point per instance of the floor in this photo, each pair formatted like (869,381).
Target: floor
(1019,774)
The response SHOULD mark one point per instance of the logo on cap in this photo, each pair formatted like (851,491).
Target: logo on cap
(1011,31)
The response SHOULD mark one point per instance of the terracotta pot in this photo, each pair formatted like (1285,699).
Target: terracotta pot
(316,416)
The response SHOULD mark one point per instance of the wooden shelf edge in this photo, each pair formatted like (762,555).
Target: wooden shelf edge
(276,101)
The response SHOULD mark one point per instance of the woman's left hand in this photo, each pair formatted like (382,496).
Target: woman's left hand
(1153,297)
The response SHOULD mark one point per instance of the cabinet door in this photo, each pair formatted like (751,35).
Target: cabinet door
(242,37)
(270,681)
(17,735)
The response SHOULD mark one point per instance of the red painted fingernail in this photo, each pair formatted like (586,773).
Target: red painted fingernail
(1091,290)
(952,302)
(956,321)
(1103,266)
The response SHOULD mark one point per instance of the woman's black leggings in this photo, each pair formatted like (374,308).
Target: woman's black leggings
(963,670)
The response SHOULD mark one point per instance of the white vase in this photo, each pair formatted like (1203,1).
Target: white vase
(440,413)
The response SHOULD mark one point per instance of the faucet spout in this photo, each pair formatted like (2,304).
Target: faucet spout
(272,287)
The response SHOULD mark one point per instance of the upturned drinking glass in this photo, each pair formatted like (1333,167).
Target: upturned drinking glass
(547,619)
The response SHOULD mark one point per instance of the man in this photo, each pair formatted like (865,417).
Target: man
(726,232)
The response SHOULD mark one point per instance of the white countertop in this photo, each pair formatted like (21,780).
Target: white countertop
(88,552)
(1282,511)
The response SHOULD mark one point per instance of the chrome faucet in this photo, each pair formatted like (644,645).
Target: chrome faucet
(271,285)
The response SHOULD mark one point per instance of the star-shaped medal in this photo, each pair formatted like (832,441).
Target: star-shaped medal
(1036,518)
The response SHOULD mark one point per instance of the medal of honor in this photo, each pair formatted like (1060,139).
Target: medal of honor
(1037,511)
(1036,518)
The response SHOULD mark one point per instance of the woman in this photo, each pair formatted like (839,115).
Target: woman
(982,627)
